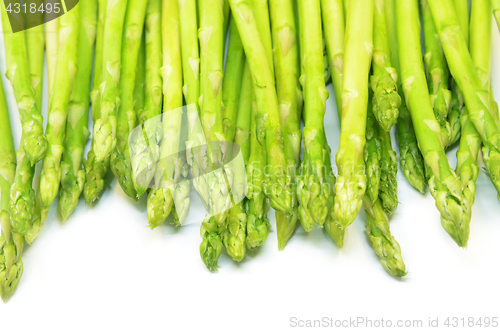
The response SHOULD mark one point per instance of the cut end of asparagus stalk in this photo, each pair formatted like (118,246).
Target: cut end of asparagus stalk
(286,223)
(211,246)
(159,206)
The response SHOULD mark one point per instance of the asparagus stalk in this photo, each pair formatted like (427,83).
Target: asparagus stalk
(232,81)
(332,226)
(256,206)
(286,61)
(437,74)
(190,52)
(35,44)
(215,193)
(386,100)
(457,103)
(190,72)
(388,173)
(66,68)
(462,11)
(444,185)
(104,135)
(170,165)
(476,96)
(21,193)
(260,9)
(235,236)
(480,46)
(52,47)
(144,147)
(411,160)
(334,31)
(96,170)
(470,141)
(211,40)
(313,191)
(126,119)
(34,143)
(72,174)
(351,181)
(11,242)
(379,234)
(277,178)
(496,11)
(372,156)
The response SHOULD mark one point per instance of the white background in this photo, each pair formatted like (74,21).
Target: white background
(105,270)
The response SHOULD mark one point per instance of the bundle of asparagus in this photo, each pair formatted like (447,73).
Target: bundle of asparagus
(164,105)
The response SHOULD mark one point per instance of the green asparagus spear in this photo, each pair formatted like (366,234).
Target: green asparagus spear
(386,100)
(96,170)
(66,68)
(313,191)
(21,193)
(232,81)
(277,178)
(332,226)
(384,244)
(11,243)
(462,11)
(126,119)
(457,100)
(211,39)
(286,62)
(411,160)
(388,173)
(476,96)
(437,74)
(480,46)
(35,44)
(372,155)
(169,166)
(334,31)
(145,152)
(211,245)
(260,9)
(256,205)
(496,11)
(444,185)
(104,135)
(52,47)
(34,143)
(190,52)
(235,236)
(470,141)
(351,181)
(72,174)
(190,74)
